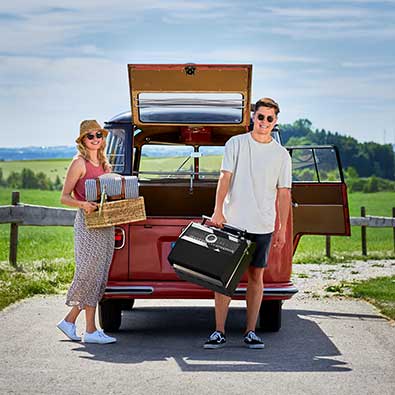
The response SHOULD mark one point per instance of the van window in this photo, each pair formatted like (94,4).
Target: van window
(165,161)
(191,108)
(210,161)
(315,164)
(116,149)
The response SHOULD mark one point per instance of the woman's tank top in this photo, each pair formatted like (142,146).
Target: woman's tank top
(91,172)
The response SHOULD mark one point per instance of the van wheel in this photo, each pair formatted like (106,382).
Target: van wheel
(270,315)
(110,314)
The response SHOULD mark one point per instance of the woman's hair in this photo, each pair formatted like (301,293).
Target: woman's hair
(101,153)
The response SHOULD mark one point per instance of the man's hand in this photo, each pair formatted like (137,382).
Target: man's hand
(279,239)
(218,219)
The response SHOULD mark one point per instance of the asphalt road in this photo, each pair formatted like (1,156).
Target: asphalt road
(326,346)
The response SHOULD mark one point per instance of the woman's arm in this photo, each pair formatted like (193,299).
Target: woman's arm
(75,171)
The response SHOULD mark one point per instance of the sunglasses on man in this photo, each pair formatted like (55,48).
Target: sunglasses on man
(91,136)
(269,118)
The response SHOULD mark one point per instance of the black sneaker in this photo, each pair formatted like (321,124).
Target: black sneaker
(216,340)
(251,340)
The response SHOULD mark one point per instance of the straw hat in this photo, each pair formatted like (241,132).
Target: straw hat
(90,125)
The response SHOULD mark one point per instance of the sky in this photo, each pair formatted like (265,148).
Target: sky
(330,61)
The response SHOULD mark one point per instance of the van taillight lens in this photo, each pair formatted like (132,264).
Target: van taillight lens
(119,238)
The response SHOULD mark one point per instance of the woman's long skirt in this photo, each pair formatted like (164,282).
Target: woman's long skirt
(93,249)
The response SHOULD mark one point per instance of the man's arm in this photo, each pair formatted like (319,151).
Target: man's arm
(218,218)
(283,208)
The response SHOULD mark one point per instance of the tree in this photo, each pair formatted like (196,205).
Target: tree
(14,180)
(372,185)
(2,180)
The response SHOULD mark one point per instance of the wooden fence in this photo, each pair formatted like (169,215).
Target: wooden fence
(18,214)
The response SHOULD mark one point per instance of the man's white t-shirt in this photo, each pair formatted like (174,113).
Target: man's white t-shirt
(258,169)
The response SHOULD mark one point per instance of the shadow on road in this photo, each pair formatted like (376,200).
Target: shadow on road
(176,334)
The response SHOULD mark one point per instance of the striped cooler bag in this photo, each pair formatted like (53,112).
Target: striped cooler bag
(119,200)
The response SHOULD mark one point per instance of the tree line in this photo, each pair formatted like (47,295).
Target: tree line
(367,159)
(27,179)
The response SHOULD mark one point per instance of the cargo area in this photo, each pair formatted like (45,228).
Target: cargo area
(179,199)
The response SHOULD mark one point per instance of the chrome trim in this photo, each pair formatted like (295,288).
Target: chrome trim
(124,238)
(194,241)
(271,291)
(134,290)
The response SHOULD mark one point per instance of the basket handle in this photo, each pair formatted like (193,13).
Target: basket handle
(102,199)
(109,198)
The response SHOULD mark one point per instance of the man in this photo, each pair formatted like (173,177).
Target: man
(255,169)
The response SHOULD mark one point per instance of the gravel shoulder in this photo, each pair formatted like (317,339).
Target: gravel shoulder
(313,279)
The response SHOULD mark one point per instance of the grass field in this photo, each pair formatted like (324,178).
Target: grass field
(51,167)
(380,292)
(37,242)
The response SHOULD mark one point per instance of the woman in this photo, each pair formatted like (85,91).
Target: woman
(93,247)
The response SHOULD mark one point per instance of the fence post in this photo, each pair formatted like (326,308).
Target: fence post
(393,229)
(14,234)
(363,233)
(328,246)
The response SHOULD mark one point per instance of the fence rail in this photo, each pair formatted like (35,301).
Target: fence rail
(19,214)
(28,214)
(33,215)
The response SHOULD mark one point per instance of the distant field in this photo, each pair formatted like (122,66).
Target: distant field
(54,167)
(51,167)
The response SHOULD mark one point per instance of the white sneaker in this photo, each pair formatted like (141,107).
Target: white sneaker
(98,337)
(68,328)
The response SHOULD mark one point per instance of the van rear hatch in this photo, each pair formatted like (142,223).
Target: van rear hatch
(165,97)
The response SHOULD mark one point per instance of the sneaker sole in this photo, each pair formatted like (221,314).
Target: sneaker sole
(70,338)
(255,346)
(213,346)
(94,342)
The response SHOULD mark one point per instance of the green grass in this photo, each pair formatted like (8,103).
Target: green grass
(380,292)
(45,253)
(40,277)
(37,242)
(51,167)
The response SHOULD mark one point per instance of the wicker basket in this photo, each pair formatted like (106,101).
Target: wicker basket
(116,213)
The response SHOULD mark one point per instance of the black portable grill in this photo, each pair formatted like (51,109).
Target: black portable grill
(213,258)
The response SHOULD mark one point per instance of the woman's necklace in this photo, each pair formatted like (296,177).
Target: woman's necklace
(96,163)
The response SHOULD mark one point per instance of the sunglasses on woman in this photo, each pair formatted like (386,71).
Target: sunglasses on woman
(91,136)
(261,117)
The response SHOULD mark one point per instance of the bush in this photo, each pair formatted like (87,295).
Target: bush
(27,179)
(370,184)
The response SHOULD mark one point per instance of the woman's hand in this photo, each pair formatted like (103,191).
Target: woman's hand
(89,207)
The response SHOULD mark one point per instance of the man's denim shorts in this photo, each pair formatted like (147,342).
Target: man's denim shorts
(262,241)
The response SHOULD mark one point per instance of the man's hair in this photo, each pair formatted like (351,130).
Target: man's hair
(267,102)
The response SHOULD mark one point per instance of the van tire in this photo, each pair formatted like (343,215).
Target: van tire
(270,315)
(110,314)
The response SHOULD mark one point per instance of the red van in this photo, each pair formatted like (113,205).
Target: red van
(173,140)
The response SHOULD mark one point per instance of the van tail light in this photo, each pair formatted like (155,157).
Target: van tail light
(119,238)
